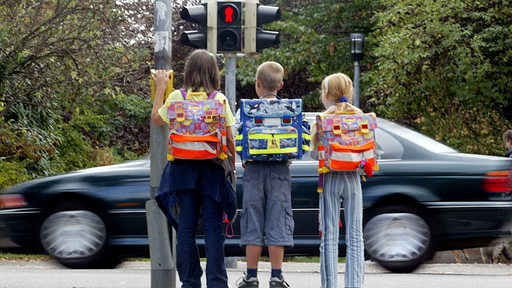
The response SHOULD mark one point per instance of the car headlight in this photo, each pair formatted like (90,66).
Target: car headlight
(12,201)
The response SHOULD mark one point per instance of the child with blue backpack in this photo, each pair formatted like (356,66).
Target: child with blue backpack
(267,217)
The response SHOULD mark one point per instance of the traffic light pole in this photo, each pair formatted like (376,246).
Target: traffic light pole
(356,83)
(211,42)
(230,80)
(163,269)
(356,54)
(230,87)
(250,27)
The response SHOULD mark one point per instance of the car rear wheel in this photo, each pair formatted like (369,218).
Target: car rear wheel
(399,238)
(76,237)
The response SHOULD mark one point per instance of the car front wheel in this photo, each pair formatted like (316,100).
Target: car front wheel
(75,237)
(399,238)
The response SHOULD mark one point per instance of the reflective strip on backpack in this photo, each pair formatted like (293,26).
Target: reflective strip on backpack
(186,153)
(348,158)
(273,144)
(239,147)
(273,151)
(194,147)
(272,136)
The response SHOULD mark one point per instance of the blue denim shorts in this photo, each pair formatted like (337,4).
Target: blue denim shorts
(267,216)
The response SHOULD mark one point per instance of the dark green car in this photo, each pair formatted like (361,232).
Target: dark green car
(426,197)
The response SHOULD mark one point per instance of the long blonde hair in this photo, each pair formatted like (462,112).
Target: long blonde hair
(337,85)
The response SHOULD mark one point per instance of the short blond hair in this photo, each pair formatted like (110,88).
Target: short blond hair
(270,74)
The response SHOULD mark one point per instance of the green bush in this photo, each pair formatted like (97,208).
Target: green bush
(12,173)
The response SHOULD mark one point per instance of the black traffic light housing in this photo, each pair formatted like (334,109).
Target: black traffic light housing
(265,38)
(195,38)
(229,26)
(256,38)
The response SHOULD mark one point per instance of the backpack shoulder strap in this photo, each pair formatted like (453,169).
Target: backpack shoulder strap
(183,93)
(213,94)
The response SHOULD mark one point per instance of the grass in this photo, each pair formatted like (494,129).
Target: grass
(23,256)
(297,259)
(7,255)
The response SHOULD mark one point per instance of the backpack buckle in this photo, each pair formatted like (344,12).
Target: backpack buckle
(180,114)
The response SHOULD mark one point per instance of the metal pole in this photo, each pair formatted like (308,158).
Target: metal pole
(230,86)
(230,80)
(356,53)
(356,83)
(211,19)
(163,269)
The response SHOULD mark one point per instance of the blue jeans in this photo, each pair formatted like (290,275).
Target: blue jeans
(346,187)
(192,203)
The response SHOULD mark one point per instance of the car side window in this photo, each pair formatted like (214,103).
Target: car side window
(387,146)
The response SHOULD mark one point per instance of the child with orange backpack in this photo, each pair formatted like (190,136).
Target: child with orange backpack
(198,187)
(341,180)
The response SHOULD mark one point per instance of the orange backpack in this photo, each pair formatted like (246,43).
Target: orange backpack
(197,128)
(347,143)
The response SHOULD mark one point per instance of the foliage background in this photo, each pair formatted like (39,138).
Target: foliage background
(446,69)
(74,75)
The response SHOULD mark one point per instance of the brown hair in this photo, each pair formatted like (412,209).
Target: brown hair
(201,71)
(339,85)
(270,74)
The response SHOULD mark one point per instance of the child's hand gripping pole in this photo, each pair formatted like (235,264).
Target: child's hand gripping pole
(168,90)
(170,84)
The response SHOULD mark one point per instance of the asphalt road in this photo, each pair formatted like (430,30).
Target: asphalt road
(48,274)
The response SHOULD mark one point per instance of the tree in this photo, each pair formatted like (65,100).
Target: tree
(445,69)
(314,43)
(70,78)
(74,75)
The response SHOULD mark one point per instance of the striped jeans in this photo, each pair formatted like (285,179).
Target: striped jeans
(338,187)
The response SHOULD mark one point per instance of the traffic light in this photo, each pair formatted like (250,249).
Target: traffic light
(256,38)
(264,38)
(229,26)
(195,38)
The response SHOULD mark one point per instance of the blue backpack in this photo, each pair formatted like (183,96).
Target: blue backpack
(272,130)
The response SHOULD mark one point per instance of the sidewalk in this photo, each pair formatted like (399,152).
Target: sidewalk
(370,268)
(137,274)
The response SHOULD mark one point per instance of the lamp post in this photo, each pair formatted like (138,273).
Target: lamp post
(356,54)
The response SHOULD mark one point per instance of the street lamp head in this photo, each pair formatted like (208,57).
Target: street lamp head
(356,46)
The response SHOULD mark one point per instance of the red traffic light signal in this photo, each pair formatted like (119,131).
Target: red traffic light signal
(229,13)
(229,26)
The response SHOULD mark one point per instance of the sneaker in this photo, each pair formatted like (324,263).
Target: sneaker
(247,282)
(276,282)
